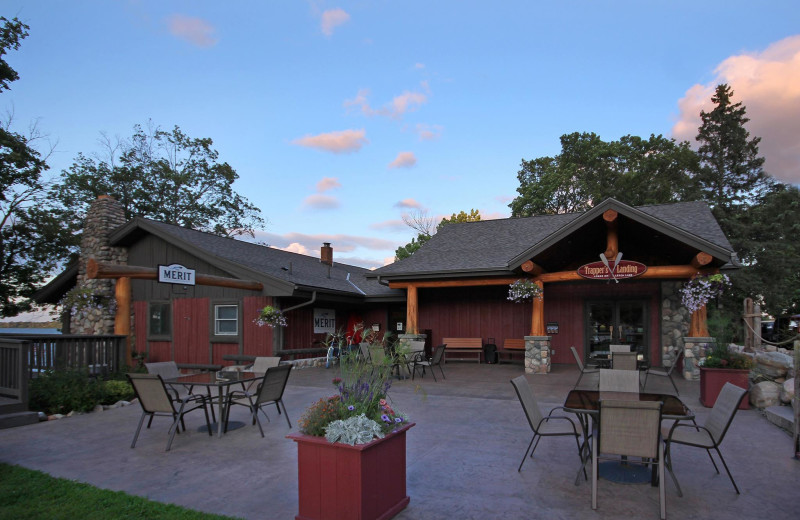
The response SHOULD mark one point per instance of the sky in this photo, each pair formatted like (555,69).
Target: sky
(341,117)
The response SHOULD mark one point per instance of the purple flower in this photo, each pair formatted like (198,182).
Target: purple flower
(398,419)
(385,418)
(351,407)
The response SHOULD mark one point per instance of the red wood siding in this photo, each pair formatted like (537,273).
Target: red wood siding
(140,326)
(257,341)
(190,332)
(473,312)
(564,303)
(159,351)
(220,349)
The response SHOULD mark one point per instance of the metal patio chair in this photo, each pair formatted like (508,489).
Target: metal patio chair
(619,380)
(710,435)
(623,360)
(630,429)
(436,359)
(170,370)
(156,400)
(666,372)
(270,391)
(550,426)
(589,369)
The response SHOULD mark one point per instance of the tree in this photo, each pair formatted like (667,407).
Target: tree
(31,239)
(423,225)
(165,176)
(633,170)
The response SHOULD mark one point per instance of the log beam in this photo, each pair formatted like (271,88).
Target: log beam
(701,259)
(95,269)
(532,268)
(612,236)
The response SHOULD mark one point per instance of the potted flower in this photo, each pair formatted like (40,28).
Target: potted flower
(697,292)
(720,366)
(79,301)
(351,448)
(523,290)
(271,317)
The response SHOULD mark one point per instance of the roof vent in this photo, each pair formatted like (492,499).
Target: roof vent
(326,253)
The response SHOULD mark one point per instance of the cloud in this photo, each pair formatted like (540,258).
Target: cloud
(428,132)
(341,243)
(768,85)
(404,160)
(389,225)
(407,101)
(504,199)
(395,109)
(296,247)
(193,30)
(419,66)
(343,141)
(333,18)
(327,184)
(318,201)
(408,203)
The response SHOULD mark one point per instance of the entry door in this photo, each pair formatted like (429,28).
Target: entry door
(616,322)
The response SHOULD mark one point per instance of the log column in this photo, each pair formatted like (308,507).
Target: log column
(612,240)
(537,316)
(122,319)
(412,310)
(699,325)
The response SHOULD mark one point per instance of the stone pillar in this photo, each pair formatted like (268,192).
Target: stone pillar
(537,354)
(695,350)
(675,320)
(103,217)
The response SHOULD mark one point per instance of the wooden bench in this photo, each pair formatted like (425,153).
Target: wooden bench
(511,347)
(463,345)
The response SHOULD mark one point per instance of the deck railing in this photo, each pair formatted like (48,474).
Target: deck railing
(98,354)
(13,369)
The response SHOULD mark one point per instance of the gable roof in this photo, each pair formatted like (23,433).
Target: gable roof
(497,247)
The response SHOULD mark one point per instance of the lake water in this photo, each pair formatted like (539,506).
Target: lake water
(20,330)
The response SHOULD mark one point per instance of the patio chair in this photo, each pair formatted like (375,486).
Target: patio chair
(619,380)
(269,391)
(170,370)
(710,435)
(630,429)
(666,372)
(156,400)
(590,369)
(550,426)
(623,360)
(436,360)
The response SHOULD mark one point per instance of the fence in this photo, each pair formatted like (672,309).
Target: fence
(98,354)
(13,370)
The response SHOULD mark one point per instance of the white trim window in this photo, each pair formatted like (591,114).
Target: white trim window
(226,320)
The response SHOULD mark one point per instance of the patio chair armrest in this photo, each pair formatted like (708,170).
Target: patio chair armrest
(556,408)
(696,426)
(547,419)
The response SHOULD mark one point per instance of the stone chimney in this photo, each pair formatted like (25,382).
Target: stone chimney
(103,217)
(326,253)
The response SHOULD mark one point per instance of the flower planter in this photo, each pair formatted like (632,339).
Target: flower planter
(713,379)
(341,482)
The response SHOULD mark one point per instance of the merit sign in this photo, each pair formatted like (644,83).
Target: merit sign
(175,273)
(625,269)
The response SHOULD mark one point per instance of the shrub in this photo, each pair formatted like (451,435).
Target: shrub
(116,390)
(64,391)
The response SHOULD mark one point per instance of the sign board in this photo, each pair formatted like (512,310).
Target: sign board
(175,273)
(625,269)
(552,327)
(324,321)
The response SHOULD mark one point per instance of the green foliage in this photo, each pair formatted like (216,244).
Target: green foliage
(116,390)
(412,247)
(473,216)
(588,170)
(722,357)
(64,391)
(425,232)
(28,495)
(320,414)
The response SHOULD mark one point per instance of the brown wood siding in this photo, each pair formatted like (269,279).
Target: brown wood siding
(473,312)
(190,330)
(564,303)
(256,341)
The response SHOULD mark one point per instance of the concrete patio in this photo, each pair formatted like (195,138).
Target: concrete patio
(463,455)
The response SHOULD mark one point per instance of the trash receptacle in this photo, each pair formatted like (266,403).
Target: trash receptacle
(490,351)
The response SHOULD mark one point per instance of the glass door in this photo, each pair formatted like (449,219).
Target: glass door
(616,322)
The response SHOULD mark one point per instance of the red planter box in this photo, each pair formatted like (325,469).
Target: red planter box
(342,482)
(713,379)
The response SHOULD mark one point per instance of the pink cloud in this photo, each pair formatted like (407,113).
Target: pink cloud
(344,141)
(327,184)
(193,30)
(318,201)
(408,203)
(333,18)
(428,132)
(405,102)
(768,85)
(404,160)
(341,243)
(389,225)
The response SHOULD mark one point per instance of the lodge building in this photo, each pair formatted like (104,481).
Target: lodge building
(608,275)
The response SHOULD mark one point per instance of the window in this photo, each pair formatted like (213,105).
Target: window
(160,319)
(226,320)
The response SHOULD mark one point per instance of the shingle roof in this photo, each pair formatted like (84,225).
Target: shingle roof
(493,245)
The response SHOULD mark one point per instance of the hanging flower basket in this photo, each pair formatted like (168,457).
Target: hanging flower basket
(696,293)
(271,317)
(523,290)
(81,300)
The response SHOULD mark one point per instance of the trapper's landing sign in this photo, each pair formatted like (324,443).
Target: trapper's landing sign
(175,273)
(624,269)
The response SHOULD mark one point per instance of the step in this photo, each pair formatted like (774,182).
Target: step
(781,416)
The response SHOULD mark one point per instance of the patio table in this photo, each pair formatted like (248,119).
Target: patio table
(215,380)
(586,405)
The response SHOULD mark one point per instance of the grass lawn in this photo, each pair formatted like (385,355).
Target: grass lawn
(27,494)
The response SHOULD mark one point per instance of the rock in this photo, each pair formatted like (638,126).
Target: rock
(773,364)
(43,417)
(787,391)
(98,408)
(765,394)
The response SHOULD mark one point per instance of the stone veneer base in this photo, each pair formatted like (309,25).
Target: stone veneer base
(537,354)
